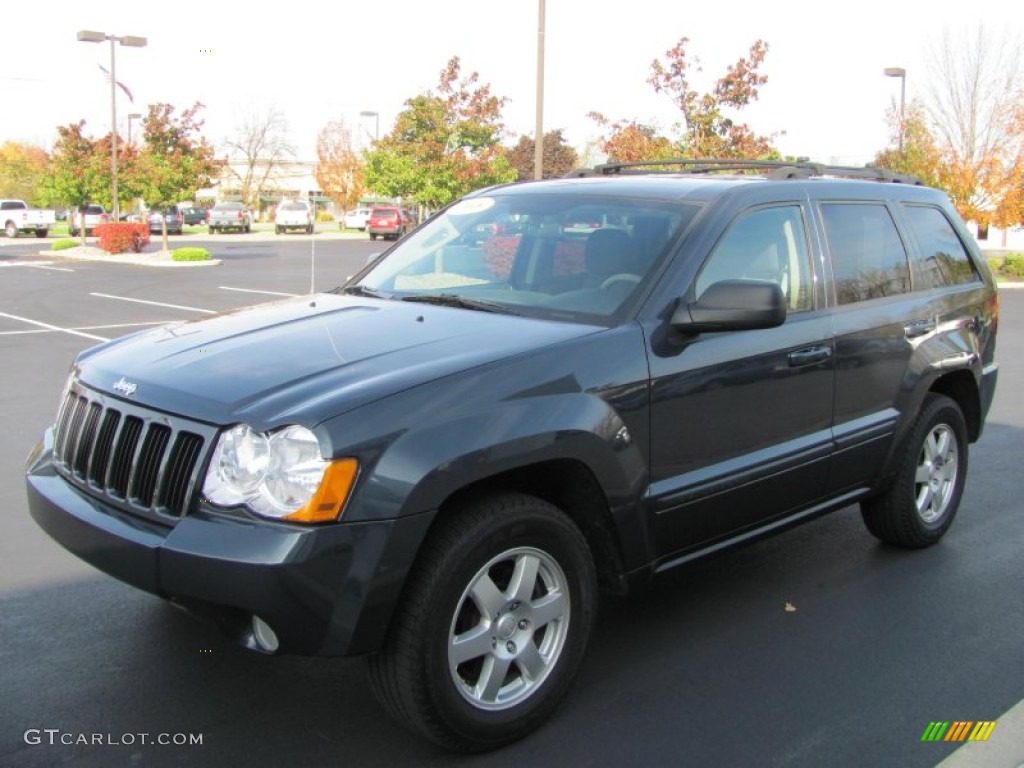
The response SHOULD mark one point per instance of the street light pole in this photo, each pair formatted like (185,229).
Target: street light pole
(901,73)
(538,135)
(86,36)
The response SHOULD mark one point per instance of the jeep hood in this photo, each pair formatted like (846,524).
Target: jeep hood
(306,359)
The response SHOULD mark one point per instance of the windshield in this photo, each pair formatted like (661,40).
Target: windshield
(541,254)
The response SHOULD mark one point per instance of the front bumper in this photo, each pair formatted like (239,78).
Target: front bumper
(326,590)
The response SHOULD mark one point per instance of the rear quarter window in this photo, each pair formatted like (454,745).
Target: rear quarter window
(941,259)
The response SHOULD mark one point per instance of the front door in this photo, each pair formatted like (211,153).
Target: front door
(741,421)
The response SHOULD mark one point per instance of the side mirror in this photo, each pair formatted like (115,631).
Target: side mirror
(732,305)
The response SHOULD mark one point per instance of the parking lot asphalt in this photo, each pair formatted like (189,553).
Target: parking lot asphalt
(708,668)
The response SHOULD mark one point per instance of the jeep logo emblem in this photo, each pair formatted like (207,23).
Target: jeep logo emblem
(123,385)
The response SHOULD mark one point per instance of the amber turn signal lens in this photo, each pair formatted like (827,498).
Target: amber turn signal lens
(330,497)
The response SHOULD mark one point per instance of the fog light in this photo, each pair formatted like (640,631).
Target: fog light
(264,635)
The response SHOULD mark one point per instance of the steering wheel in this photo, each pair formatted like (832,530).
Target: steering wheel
(622,277)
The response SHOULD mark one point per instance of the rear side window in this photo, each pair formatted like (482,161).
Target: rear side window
(869,260)
(942,258)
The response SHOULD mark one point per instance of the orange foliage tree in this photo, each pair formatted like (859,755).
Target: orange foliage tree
(339,169)
(709,130)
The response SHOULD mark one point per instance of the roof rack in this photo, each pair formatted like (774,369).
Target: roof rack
(795,169)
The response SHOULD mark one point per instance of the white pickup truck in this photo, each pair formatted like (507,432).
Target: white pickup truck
(17,217)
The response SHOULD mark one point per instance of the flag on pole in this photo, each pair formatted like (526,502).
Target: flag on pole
(118,83)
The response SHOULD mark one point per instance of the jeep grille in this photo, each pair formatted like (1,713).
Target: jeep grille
(141,461)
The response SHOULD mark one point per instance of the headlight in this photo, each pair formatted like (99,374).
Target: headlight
(278,474)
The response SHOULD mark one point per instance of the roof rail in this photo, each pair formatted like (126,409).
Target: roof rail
(772,169)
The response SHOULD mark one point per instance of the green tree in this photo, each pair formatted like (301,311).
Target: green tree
(22,167)
(559,158)
(76,175)
(443,145)
(176,159)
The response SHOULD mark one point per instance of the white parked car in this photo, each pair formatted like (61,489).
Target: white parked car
(356,219)
(294,214)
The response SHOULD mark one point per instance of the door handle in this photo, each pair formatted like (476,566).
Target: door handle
(809,356)
(918,328)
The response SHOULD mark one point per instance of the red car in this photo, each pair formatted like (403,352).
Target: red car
(390,222)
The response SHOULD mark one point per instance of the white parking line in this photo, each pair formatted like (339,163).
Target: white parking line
(72,331)
(251,290)
(154,303)
(36,264)
(83,328)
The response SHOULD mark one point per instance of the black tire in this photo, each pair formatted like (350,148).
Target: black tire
(456,699)
(278,230)
(41,233)
(373,236)
(11,229)
(919,506)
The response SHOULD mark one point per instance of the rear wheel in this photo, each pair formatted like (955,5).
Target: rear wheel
(492,627)
(917,510)
(373,236)
(41,233)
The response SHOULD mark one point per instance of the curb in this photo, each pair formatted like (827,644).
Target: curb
(156,259)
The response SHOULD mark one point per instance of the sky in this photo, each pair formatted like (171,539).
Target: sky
(826,95)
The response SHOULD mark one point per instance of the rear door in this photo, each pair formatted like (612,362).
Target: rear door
(877,324)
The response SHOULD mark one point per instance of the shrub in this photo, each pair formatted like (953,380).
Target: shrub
(1013,266)
(325,217)
(190,253)
(63,245)
(119,237)
(1010,266)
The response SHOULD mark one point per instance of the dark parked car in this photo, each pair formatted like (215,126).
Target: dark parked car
(439,463)
(194,216)
(389,222)
(172,218)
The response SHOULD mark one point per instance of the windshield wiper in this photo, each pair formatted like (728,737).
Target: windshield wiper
(463,302)
(362,290)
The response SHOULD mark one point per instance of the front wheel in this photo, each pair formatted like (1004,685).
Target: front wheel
(918,508)
(11,229)
(492,627)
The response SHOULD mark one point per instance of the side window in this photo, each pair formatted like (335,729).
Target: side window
(868,257)
(943,260)
(767,244)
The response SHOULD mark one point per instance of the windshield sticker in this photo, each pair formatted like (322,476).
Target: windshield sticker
(476,205)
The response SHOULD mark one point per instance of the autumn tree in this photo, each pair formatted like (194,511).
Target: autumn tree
(558,157)
(920,155)
(444,143)
(176,159)
(339,168)
(258,148)
(22,167)
(709,128)
(629,141)
(976,107)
